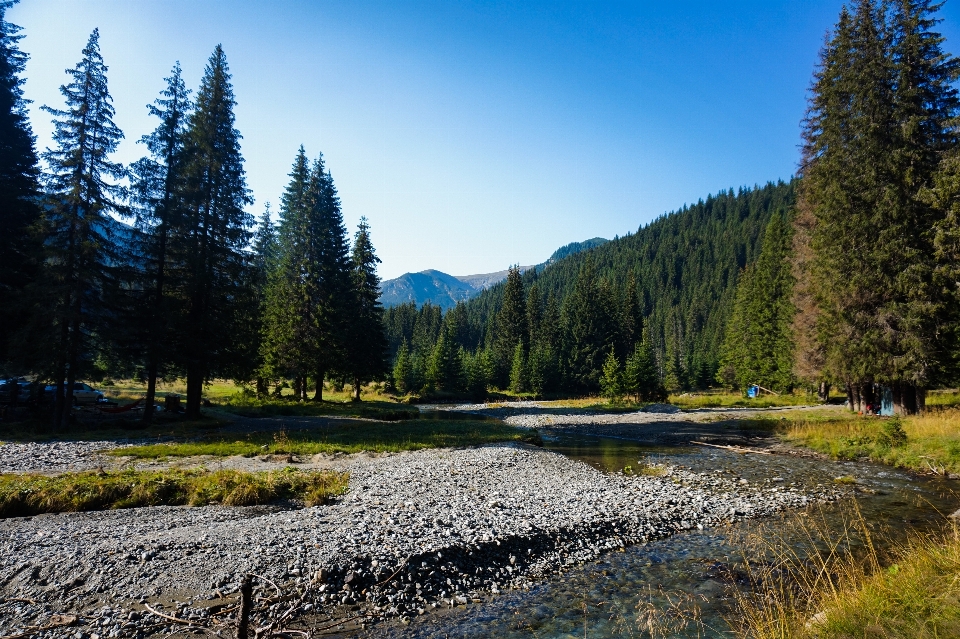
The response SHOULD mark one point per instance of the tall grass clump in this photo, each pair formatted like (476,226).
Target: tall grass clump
(836,583)
(25,495)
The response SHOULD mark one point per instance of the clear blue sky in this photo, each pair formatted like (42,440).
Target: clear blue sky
(472,135)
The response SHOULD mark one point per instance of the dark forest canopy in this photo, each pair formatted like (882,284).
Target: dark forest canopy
(681,270)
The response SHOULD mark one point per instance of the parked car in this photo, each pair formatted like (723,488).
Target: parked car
(11,388)
(82,393)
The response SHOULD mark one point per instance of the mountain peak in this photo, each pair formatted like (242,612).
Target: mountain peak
(445,290)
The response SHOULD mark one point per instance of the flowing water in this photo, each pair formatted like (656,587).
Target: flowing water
(609,597)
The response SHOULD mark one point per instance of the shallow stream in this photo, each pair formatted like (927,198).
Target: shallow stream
(609,597)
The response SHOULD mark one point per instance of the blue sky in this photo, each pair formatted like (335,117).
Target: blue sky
(472,135)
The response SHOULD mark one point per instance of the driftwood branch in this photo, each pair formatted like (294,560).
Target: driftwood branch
(171,618)
(736,449)
(246,599)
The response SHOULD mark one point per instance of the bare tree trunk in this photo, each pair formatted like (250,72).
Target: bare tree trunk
(921,399)
(318,396)
(262,388)
(857,400)
(905,398)
(356,389)
(194,392)
(823,392)
(850,397)
(151,392)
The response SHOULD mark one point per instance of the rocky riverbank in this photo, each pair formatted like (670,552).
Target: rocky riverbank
(416,531)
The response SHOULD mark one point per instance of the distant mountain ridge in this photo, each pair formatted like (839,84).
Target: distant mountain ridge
(446,290)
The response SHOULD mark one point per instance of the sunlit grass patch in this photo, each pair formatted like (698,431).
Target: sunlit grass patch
(23,495)
(347,438)
(691,401)
(928,442)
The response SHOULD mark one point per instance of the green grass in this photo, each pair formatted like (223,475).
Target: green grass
(247,405)
(928,442)
(948,398)
(24,495)
(689,401)
(346,438)
(917,597)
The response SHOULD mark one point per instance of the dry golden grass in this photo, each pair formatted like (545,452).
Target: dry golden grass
(836,584)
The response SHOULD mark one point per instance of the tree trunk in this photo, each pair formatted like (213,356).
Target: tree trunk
(905,398)
(856,398)
(318,396)
(303,388)
(262,388)
(849,390)
(921,400)
(151,392)
(356,389)
(194,392)
(823,392)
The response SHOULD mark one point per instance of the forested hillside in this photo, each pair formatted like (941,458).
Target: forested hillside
(672,283)
(685,265)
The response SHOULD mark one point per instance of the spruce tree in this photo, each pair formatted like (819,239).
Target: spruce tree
(758,347)
(157,194)
(640,377)
(81,236)
(511,325)
(590,327)
(402,370)
(213,233)
(611,381)
(291,318)
(518,370)
(878,122)
(331,287)
(366,353)
(20,249)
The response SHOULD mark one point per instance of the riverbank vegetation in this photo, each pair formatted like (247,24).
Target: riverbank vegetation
(846,581)
(375,437)
(928,443)
(25,495)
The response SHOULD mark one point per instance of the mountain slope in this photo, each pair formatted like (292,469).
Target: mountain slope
(443,290)
(435,287)
(685,264)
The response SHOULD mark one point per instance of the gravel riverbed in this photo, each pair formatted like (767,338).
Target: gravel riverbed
(416,531)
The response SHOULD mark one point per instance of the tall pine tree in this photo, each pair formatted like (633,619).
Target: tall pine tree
(878,122)
(290,317)
(758,347)
(81,234)
(214,232)
(367,350)
(158,191)
(19,188)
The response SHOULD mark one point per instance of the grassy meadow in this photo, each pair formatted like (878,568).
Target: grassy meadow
(927,443)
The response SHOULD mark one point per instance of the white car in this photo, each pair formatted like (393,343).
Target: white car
(82,393)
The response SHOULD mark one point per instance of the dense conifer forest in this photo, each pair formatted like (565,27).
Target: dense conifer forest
(671,284)
(844,276)
(158,270)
